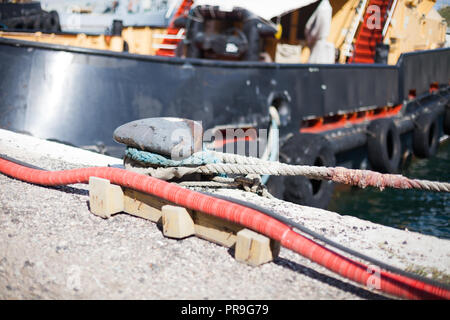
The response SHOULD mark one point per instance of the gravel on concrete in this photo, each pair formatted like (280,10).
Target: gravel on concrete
(52,247)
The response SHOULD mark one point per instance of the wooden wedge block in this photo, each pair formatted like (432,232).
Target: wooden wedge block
(105,198)
(177,222)
(255,249)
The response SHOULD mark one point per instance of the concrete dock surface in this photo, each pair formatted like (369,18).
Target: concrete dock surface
(52,247)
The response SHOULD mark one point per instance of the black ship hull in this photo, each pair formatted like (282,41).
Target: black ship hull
(79,96)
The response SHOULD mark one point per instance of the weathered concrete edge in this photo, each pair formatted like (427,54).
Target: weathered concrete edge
(54,150)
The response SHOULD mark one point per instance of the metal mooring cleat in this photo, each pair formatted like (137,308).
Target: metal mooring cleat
(170,137)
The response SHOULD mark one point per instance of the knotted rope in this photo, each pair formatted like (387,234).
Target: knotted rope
(240,165)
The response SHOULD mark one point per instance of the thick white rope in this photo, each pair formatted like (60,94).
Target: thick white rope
(360,178)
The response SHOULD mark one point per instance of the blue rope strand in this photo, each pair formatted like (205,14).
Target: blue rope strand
(196,159)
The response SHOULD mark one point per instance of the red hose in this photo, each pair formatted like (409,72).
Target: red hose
(390,283)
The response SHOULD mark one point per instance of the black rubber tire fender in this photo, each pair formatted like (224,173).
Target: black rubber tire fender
(51,22)
(126,48)
(447,120)
(314,150)
(384,147)
(55,17)
(426,135)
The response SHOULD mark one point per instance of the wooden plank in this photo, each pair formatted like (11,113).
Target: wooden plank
(206,227)
(143,205)
(214,229)
(293,28)
(178,222)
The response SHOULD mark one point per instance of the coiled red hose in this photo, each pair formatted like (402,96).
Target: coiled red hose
(388,282)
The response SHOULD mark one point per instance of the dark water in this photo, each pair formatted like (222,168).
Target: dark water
(424,212)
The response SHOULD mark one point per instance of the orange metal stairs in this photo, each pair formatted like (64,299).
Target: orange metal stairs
(370,33)
(170,42)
